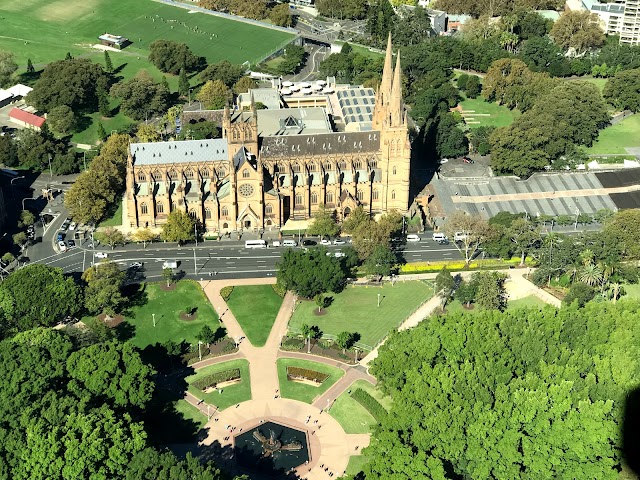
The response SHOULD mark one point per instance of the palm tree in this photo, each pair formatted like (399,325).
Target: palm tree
(607,272)
(587,257)
(616,290)
(572,271)
(591,274)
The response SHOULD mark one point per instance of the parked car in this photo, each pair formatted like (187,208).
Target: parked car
(325,241)
(444,241)
(102,255)
(467,160)
(437,237)
(339,241)
(62,246)
(60,237)
(72,226)
(444,160)
(413,238)
(276,243)
(309,243)
(71,243)
(459,236)
(339,254)
(289,243)
(64,227)
(135,265)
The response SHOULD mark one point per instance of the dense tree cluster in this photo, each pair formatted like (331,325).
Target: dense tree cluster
(535,393)
(170,57)
(350,66)
(495,8)
(623,90)
(309,273)
(279,14)
(141,98)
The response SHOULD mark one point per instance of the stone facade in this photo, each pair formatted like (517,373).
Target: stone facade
(247,182)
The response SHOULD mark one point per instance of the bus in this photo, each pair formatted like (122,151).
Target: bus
(255,244)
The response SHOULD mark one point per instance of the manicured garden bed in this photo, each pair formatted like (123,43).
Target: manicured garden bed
(303,391)
(232,394)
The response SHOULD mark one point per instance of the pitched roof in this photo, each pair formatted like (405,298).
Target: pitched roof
(154,153)
(320,144)
(26,117)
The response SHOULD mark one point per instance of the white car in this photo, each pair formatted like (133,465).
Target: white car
(460,236)
(444,160)
(324,241)
(339,241)
(62,246)
(72,226)
(339,254)
(102,254)
(135,265)
(413,238)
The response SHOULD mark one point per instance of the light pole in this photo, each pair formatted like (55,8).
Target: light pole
(378,299)
(356,349)
(308,343)
(195,263)
(25,199)
(199,350)
(153,315)
(13,180)
(575,225)
(195,232)
(50,170)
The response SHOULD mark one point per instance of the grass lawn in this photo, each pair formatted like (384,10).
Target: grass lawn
(355,309)
(44,30)
(356,463)
(167,306)
(366,52)
(530,301)
(189,412)
(352,416)
(499,116)
(300,391)
(255,307)
(231,395)
(631,291)
(614,139)
(115,219)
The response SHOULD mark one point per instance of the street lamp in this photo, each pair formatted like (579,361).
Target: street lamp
(154,319)
(199,350)
(575,225)
(25,199)
(378,299)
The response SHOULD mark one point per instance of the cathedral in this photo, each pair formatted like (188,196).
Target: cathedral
(250,181)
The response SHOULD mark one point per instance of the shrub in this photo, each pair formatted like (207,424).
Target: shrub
(292,344)
(279,289)
(372,406)
(215,378)
(435,267)
(297,373)
(579,292)
(225,292)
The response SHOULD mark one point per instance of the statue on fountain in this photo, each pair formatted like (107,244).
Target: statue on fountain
(272,445)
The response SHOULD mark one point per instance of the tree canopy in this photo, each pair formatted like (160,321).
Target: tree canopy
(170,57)
(623,90)
(324,223)
(311,272)
(141,97)
(508,395)
(578,30)
(179,227)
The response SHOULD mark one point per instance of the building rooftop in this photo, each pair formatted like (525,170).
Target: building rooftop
(185,151)
(269,97)
(356,104)
(26,117)
(116,39)
(321,144)
(293,121)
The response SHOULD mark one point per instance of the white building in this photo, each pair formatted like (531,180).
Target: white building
(618,17)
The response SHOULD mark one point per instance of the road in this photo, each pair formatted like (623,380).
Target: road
(230,259)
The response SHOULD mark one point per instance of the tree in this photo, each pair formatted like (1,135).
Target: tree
(141,97)
(62,120)
(490,290)
(450,139)
(292,60)
(349,9)
(170,57)
(310,273)
(466,292)
(183,83)
(206,335)
(371,234)
(623,228)
(354,221)
(7,258)
(23,309)
(103,293)
(8,151)
(280,15)
(523,233)
(100,132)
(345,340)
(579,292)
(144,235)
(30,68)
(623,90)
(474,230)
(26,218)
(380,20)
(578,31)
(214,95)
(480,139)
(381,262)
(103,102)
(324,223)
(247,83)
(320,300)
(224,71)
(167,275)
(150,464)
(179,228)
(444,285)
(616,290)
(491,365)
(148,133)
(8,66)
(414,28)
(473,86)
(108,65)
(68,82)
(111,236)
(19,238)
(461,83)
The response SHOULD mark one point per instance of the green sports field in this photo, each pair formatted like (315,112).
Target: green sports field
(44,30)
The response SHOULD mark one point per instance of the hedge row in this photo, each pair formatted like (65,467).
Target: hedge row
(216,378)
(225,292)
(297,373)
(434,267)
(372,406)
(279,289)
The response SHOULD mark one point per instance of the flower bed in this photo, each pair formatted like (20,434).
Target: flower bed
(304,374)
(225,292)
(435,267)
(223,346)
(372,406)
(216,378)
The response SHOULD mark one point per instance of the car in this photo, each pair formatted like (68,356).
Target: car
(73,226)
(339,241)
(467,160)
(135,265)
(309,243)
(30,228)
(60,237)
(413,238)
(443,241)
(339,254)
(438,237)
(102,255)
(459,236)
(276,243)
(444,160)
(64,227)
(62,246)
(71,243)
(324,241)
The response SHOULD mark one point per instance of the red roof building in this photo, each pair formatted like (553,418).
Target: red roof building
(25,118)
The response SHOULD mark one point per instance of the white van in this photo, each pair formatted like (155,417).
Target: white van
(438,237)
(289,243)
(255,244)
(460,236)
(170,264)
(413,238)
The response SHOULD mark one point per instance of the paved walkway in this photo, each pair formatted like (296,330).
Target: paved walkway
(328,445)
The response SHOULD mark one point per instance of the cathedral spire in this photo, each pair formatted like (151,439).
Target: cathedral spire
(396,107)
(387,72)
